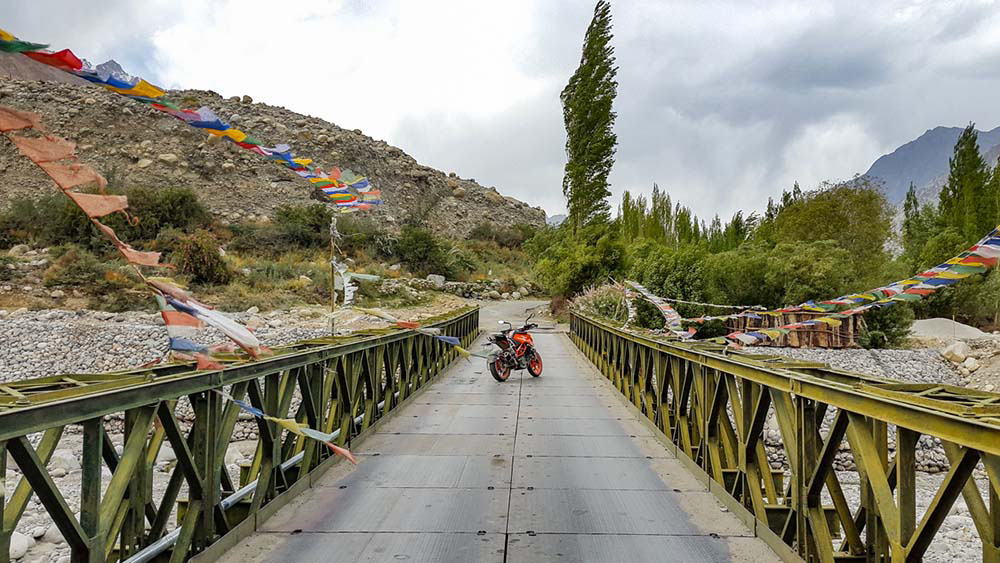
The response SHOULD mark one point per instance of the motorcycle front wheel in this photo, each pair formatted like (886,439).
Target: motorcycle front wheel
(499,370)
(535,365)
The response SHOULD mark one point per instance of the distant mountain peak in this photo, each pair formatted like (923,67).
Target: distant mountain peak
(924,160)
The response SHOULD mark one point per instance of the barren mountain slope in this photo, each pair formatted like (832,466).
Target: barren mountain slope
(135,145)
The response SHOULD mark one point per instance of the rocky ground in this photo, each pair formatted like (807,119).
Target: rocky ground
(135,145)
(44,342)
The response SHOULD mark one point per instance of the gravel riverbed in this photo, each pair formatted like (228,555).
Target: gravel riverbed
(37,343)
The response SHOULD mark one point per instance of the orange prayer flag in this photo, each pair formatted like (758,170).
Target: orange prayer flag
(407,324)
(99,205)
(141,258)
(169,289)
(206,363)
(69,176)
(177,318)
(12,119)
(44,149)
(342,451)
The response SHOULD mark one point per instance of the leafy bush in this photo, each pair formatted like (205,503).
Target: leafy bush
(568,264)
(54,219)
(198,256)
(605,301)
(5,272)
(647,315)
(423,253)
(304,226)
(886,326)
(506,237)
(75,266)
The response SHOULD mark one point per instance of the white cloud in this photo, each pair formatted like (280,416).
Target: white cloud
(721,103)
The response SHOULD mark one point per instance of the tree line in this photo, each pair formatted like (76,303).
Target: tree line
(807,244)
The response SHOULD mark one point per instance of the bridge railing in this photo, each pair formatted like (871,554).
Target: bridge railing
(719,409)
(336,385)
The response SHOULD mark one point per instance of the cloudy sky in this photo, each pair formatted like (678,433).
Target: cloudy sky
(722,104)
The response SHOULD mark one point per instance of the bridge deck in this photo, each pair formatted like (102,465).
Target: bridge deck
(553,468)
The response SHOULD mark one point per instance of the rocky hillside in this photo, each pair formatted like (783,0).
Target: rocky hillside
(135,145)
(924,161)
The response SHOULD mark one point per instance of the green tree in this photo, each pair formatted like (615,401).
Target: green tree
(857,217)
(964,202)
(920,222)
(587,112)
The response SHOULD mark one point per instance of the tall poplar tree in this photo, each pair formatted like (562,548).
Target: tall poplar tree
(963,202)
(587,112)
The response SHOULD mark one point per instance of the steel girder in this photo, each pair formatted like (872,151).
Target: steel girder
(338,385)
(714,405)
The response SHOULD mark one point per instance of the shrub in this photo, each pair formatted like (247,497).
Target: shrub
(76,266)
(197,255)
(886,327)
(605,301)
(304,226)
(422,252)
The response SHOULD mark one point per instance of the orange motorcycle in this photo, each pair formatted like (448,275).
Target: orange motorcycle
(516,351)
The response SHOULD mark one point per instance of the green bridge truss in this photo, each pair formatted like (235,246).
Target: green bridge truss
(336,385)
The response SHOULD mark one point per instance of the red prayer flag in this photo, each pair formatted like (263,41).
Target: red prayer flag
(64,59)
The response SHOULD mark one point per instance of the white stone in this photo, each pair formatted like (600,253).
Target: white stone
(166,454)
(64,459)
(18,250)
(57,294)
(523,291)
(515,295)
(253,310)
(143,163)
(394,268)
(19,545)
(168,157)
(971,364)
(957,352)
(53,535)
(436,279)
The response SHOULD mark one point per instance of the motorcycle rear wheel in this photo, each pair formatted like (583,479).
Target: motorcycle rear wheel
(535,365)
(499,370)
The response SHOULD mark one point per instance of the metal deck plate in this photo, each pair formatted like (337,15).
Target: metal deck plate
(434,424)
(368,509)
(436,444)
(588,446)
(408,471)
(361,547)
(579,548)
(582,427)
(610,473)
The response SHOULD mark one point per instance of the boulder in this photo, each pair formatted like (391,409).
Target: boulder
(18,250)
(64,459)
(505,295)
(394,268)
(957,352)
(493,294)
(19,545)
(458,192)
(515,295)
(971,364)
(166,454)
(57,294)
(247,99)
(437,280)
(169,158)
(523,291)
(53,535)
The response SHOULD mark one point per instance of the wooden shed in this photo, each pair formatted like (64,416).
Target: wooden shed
(820,335)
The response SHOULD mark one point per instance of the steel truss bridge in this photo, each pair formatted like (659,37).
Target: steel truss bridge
(627,448)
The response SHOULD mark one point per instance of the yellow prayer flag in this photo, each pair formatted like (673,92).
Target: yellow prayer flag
(6,36)
(142,88)
(830,321)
